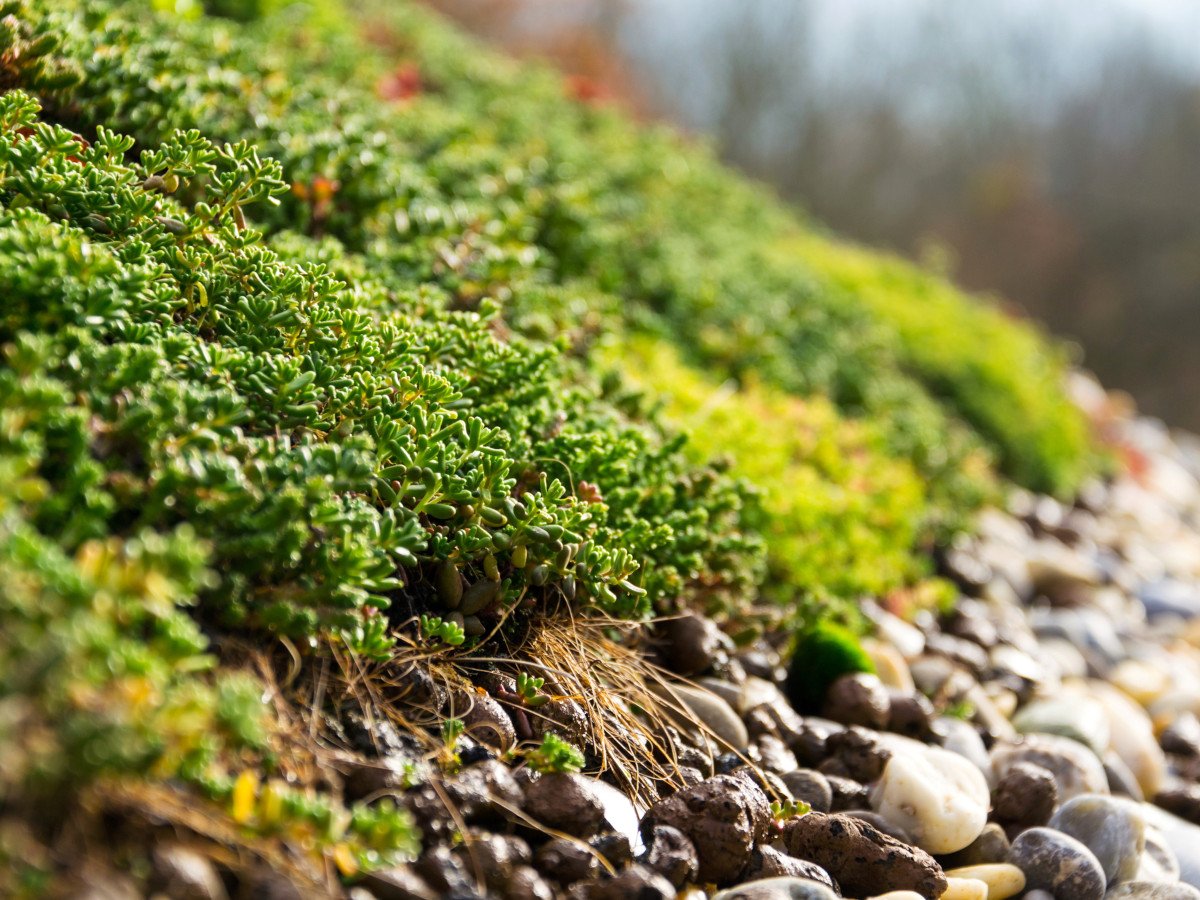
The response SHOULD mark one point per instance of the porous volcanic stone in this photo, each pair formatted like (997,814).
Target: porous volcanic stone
(862,859)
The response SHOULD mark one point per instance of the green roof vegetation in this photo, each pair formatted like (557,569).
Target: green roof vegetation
(323,324)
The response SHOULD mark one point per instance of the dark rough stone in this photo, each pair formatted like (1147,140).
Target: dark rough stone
(635,883)
(690,644)
(614,847)
(495,856)
(767,862)
(445,872)
(863,860)
(860,752)
(1055,862)
(875,820)
(565,861)
(847,793)
(911,715)
(773,755)
(483,791)
(1026,795)
(526,884)
(566,803)
(723,817)
(858,699)
(670,853)
(810,786)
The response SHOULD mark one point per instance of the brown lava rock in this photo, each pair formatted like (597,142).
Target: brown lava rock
(858,699)
(671,854)
(863,860)
(723,817)
(1025,796)
(636,882)
(566,861)
(860,752)
(565,803)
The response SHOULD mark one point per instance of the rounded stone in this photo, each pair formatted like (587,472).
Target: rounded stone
(687,705)
(1153,890)
(1115,832)
(723,817)
(936,796)
(1003,880)
(810,786)
(1073,714)
(965,889)
(1056,862)
(1076,769)
(858,699)
(780,888)
(1158,863)
(1025,796)
(565,803)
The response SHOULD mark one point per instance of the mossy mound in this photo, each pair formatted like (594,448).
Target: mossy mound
(325,320)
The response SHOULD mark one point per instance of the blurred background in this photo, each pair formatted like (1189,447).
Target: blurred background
(1045,152)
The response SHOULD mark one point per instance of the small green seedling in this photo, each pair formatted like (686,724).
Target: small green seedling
(554,755)
(789,809)
(529,690)
(962,709)
(438,630)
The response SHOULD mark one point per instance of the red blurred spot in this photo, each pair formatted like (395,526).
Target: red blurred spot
(402,84)
(587,90)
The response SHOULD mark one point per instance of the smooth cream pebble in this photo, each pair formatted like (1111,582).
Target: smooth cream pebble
(899,895)
(965,889)
(1002,879)
(938,797)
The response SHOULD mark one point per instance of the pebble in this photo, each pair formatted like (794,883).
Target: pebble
(1151,890)
(810,786)
(898,895)
(965,889)
(713,712)
(858,699)
(690,644)
(1071,714)
(767,862)
(890,666)
(671,854)
(783,887)
(860,858)
(1183,839)
(635,881)
(566,861)
(1114,831)
(1141,680)
(1057,863)
(1002,880)
(1132,737)
(963,738)
(182,873)
(1075,768)
(723,817)
(1158,861)
(990,847)
(565,802)
(1025,796)
(936,796)
(526,884)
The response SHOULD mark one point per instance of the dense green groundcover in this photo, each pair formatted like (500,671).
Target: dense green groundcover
(322,319)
